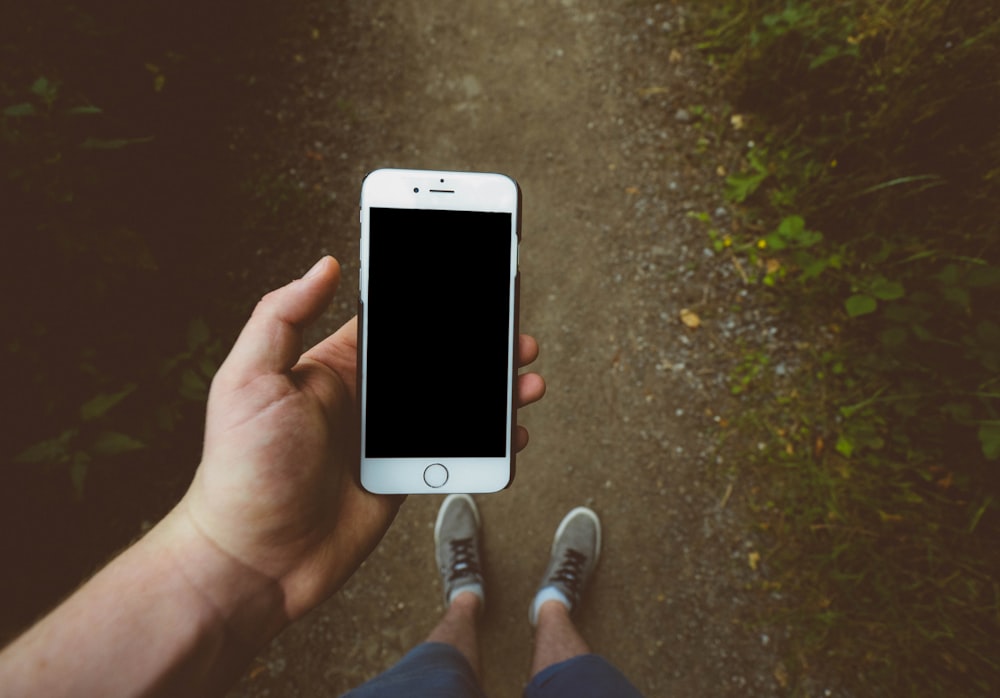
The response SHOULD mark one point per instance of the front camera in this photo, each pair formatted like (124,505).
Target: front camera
(416,190)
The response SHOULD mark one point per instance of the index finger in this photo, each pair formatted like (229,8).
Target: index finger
(527,350)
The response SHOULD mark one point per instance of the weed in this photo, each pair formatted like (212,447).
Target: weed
(868,206)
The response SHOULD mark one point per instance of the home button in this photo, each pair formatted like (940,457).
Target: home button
(436,475)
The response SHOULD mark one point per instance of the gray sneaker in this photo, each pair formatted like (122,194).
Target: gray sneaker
(575,551)
(456,547)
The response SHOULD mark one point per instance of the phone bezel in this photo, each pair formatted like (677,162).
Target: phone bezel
(439,190)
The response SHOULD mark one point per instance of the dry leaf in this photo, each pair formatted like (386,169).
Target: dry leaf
(690,318)
(737,121)
(726,496)
(632,190)
(675,56)
(781,675)
(773,266)
(650,91)
(753,559)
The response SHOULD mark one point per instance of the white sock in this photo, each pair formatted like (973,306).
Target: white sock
(476,589)
(547,594)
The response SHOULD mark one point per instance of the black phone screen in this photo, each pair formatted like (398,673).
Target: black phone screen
(437,319)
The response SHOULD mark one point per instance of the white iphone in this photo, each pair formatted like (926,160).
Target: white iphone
(438,331)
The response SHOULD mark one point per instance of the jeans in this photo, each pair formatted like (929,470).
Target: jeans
(438,670)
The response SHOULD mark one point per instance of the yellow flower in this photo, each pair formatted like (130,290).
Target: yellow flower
(727,241)
(761,244)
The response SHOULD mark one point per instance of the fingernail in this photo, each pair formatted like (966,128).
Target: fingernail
(316,268)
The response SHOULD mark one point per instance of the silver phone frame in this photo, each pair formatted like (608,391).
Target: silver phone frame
(439,190)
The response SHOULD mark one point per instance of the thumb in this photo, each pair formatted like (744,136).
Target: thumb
(271,341)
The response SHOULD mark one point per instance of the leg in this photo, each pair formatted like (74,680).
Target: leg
(576,549)
(456,549)
(563,664)
(458,628)
(447,664)
(556,637)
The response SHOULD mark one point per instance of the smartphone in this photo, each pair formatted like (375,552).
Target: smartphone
(438,329)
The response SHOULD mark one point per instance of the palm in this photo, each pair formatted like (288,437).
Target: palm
(277,488)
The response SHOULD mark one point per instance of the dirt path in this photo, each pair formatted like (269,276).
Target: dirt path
(579,102)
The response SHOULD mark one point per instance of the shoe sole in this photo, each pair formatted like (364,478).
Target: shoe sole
(444,507)
(579,511)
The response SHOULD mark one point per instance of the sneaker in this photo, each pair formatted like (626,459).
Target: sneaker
(575,551)
(456,546)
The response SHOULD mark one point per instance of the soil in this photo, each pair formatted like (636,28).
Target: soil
(616,129)
(597,110)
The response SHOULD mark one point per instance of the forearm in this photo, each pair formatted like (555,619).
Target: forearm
(169,616)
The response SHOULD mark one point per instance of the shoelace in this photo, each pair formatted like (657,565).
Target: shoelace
(569,574)
(464,562)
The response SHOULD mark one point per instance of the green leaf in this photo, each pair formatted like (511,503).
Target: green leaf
(193,387)
(112,143)
(860,304)
(808,238)
(831,52)
(84,111)
(56,450)
(978,514)
(45,90)
(958,411)
(792,230)
(167,417)
(742,185)
(78,472)
(97,407)
(24,109)
(894,337)
(813,269)
(886,290)
(739,187)
(950,274)
(845,446)
(989,439)
(112,443)
(775,241)
(197,334)
(208,367)
(791,226)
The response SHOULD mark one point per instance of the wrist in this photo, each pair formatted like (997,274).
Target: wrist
(172,615)
(246,607)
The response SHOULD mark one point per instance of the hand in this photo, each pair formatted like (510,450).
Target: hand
(275,490)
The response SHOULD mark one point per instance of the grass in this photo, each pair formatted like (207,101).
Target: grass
(867,208)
